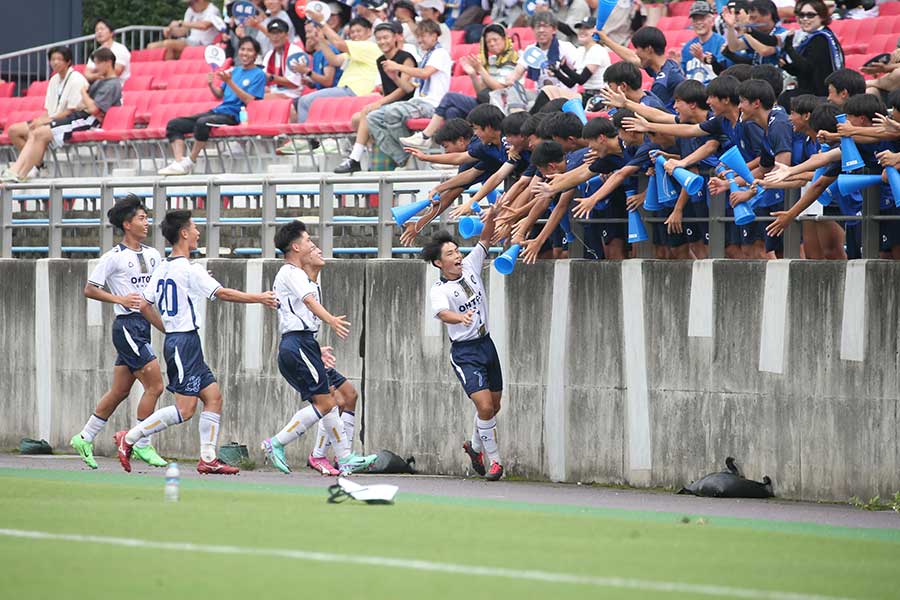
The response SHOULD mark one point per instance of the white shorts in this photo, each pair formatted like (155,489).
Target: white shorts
(815,209)
(62,129)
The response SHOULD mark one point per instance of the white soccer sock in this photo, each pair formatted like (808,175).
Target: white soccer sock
(349,419)
(300,422)
(144,441)
(357,152)
(476,439)
(93,427)
(158,421)
(334,427)
(322,442)
(209,435)
(487,430)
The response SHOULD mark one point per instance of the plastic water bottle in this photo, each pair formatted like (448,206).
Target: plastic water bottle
(243,116)
(172,482)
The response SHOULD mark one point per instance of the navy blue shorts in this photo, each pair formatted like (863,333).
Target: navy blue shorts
(593,241)
(131,338)
(615,209)
(477,365)
(889,231)
(558,238)
(776,243)
(697,232)
(300,363)
(335,379)
(733,234)
(188,372)
(661,235)
(755,231)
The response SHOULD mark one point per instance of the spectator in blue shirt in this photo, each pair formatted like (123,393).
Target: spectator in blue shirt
(650,54)
(240,86)
(320,74)
(755,42)
(699,54)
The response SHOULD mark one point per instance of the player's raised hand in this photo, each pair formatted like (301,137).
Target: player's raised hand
(887,158)
(466,317)
(530,251)
(583,207)
(633,203)
(340,325)
(461,211)
(887,124)
(328,358)
(613,97)
(636,123)
(132,301)
(777,227)
(718,186)
(409,235)
(268,298)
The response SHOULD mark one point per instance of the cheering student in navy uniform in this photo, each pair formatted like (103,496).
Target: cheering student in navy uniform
(460,301)
(306,366)
(119,279)
(170,291)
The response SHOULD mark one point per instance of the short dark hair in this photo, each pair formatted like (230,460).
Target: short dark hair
(847,80)
(486,115)
(105,22)
(817,5)
(805,103)
(650,37)
(531,124)
(864,105)
(547,152)
(543,18)
(621,114)
(453,129)
(623,72)
(692,92)
(552,106)
(562,125)
(600,126)
(764,7)
(249,40)
(361,21)
(172,225)
(103,55)
(432,250)
(823,117)
(512,123)
(65,51)
(757,89)
(771,74)
(740,71)
(428,26)
(287,233)
(124,210)
(724,87)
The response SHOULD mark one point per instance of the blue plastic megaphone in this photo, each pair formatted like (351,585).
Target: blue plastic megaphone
(506,262)
(470,227)
(691,182)
(732,159)
(404,213)
(850,204)
(831,194)
(666,191)
(851,160)
(847,184)
(604,9)
(636,230)
(651,197)
(574,106)
(743,212)
(893,176)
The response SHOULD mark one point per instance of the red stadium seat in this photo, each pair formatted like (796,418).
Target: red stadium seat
(889,9)
(680,9)
(884,43)
(675,39)
(190,66)
(138,83)
(193,53)
(521,36)
(461,50)
(116,124)
(184,81)
(321,111)
(151,55)
(7,89)
(164,113)
(855,61)
(462,85)
(417,124)
(675,23)
(38,88)
(157,68)
(457,37)
(886,25)
(264,117)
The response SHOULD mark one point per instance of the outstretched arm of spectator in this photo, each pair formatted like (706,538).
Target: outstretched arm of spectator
(583,206)
(557,184)
(531,248)
(626,54)
(487,187)
(784,218)
(706,150)
(331,37)
(523,227)
(782,172)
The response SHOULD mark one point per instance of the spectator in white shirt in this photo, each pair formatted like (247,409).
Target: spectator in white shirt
(434,10)
(196,29)
(103,33)
(281,80)
(257,26)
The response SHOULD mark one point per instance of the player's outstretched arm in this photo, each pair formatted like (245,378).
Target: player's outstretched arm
(131,301)
(706,150)
(150,313)
(532,247)
(453,318)
(339,324)
(782,172)
(231,295)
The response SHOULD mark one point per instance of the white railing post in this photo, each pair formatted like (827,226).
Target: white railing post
(326,217)
(55,214)
(267,231)
(213,216)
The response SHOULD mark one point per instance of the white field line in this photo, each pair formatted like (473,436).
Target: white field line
(427,566)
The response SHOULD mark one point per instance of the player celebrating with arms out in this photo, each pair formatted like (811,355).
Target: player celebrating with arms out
(171,289)
(119,279)
(460,301)
(302,362)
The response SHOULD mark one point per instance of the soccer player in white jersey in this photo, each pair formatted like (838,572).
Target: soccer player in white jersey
(119,279)
(459,300)
(174,286)
(300,359)
(346,397)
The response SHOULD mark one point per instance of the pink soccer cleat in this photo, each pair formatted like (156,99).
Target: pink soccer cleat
(322,466)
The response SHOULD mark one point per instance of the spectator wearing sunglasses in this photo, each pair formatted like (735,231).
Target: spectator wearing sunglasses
(813,53)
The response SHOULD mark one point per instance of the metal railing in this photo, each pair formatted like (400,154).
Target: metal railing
(31,64)
(268,189)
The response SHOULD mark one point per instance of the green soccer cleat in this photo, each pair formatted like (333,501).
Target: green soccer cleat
(85,450)
(149,455)
(354,463)
(275,454)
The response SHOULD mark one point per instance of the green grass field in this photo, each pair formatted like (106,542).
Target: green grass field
(254,542)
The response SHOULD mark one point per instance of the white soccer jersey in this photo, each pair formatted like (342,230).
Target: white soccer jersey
(125,271)
(292,286)
(173,285)
(462,295)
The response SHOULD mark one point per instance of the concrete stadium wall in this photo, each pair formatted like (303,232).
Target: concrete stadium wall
(644,372)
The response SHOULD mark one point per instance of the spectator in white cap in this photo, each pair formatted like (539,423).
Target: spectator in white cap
(433,10)
(373,11)
(700,54)
(281,80)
